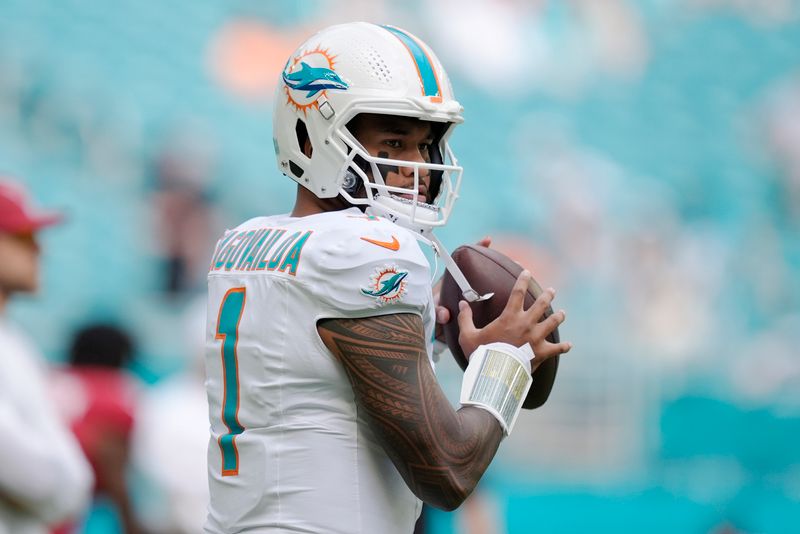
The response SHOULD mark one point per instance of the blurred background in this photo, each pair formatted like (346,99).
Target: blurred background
(641,156)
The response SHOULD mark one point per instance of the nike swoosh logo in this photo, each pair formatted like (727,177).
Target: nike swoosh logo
(394,244)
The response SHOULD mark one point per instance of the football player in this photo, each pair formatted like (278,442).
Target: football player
(326,415)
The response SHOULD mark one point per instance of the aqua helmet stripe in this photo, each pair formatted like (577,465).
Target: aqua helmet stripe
(427,74)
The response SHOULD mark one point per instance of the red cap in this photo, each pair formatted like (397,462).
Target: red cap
(17,216)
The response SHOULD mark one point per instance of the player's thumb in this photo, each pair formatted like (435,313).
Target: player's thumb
(465,323)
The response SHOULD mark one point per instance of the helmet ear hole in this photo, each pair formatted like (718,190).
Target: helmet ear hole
(303,141)
(437,158)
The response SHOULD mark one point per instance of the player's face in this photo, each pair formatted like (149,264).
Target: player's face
(19,267)
(392,137)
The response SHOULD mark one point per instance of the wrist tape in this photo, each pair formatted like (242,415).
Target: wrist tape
(497,380)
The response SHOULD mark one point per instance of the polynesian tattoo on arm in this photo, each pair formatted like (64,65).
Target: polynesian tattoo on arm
(441,453)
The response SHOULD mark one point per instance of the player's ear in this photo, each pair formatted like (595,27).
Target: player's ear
(307,148)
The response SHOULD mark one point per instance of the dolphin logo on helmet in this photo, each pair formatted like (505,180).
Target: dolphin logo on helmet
(313,80)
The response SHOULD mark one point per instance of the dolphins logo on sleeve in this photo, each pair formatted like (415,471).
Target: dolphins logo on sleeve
(387,285)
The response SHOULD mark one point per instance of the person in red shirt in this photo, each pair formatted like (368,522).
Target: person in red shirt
(99,399)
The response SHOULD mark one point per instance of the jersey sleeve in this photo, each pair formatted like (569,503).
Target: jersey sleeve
(370,268)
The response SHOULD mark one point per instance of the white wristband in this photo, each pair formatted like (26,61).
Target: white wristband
(497,380)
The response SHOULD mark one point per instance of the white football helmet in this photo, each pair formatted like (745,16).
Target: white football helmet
(355,68)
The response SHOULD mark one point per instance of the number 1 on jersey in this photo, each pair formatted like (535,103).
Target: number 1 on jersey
(230,313)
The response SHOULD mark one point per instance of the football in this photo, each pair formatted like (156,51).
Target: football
(489,271)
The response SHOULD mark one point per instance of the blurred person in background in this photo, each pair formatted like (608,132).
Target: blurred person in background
(170,440)
(185,218)
(44,478)
(98,397)
(325,413)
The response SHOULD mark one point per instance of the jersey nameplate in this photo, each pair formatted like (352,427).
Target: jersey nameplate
(260,249)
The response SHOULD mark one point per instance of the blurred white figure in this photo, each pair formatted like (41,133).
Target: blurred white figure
(171,440)
(762,12)
(184,217)
(780,120)
(766,369)
(540,45)
(44,478)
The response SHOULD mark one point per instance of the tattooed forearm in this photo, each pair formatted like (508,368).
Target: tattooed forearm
(441,453)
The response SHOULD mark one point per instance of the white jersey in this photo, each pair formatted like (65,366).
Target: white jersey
(44,477)
(288,451)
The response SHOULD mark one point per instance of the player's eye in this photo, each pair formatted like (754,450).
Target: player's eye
(393,143)
(425,151)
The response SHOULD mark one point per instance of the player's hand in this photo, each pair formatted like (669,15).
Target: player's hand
(516,325)
(442,313)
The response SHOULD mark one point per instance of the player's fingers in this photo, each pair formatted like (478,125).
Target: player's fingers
(442,315)
(438,333)
(517,296)
(561,348)
(552,322)
(485,242)
(442,318)
(552,349)
(542,303)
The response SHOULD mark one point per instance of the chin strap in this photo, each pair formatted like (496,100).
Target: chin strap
(470,295)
